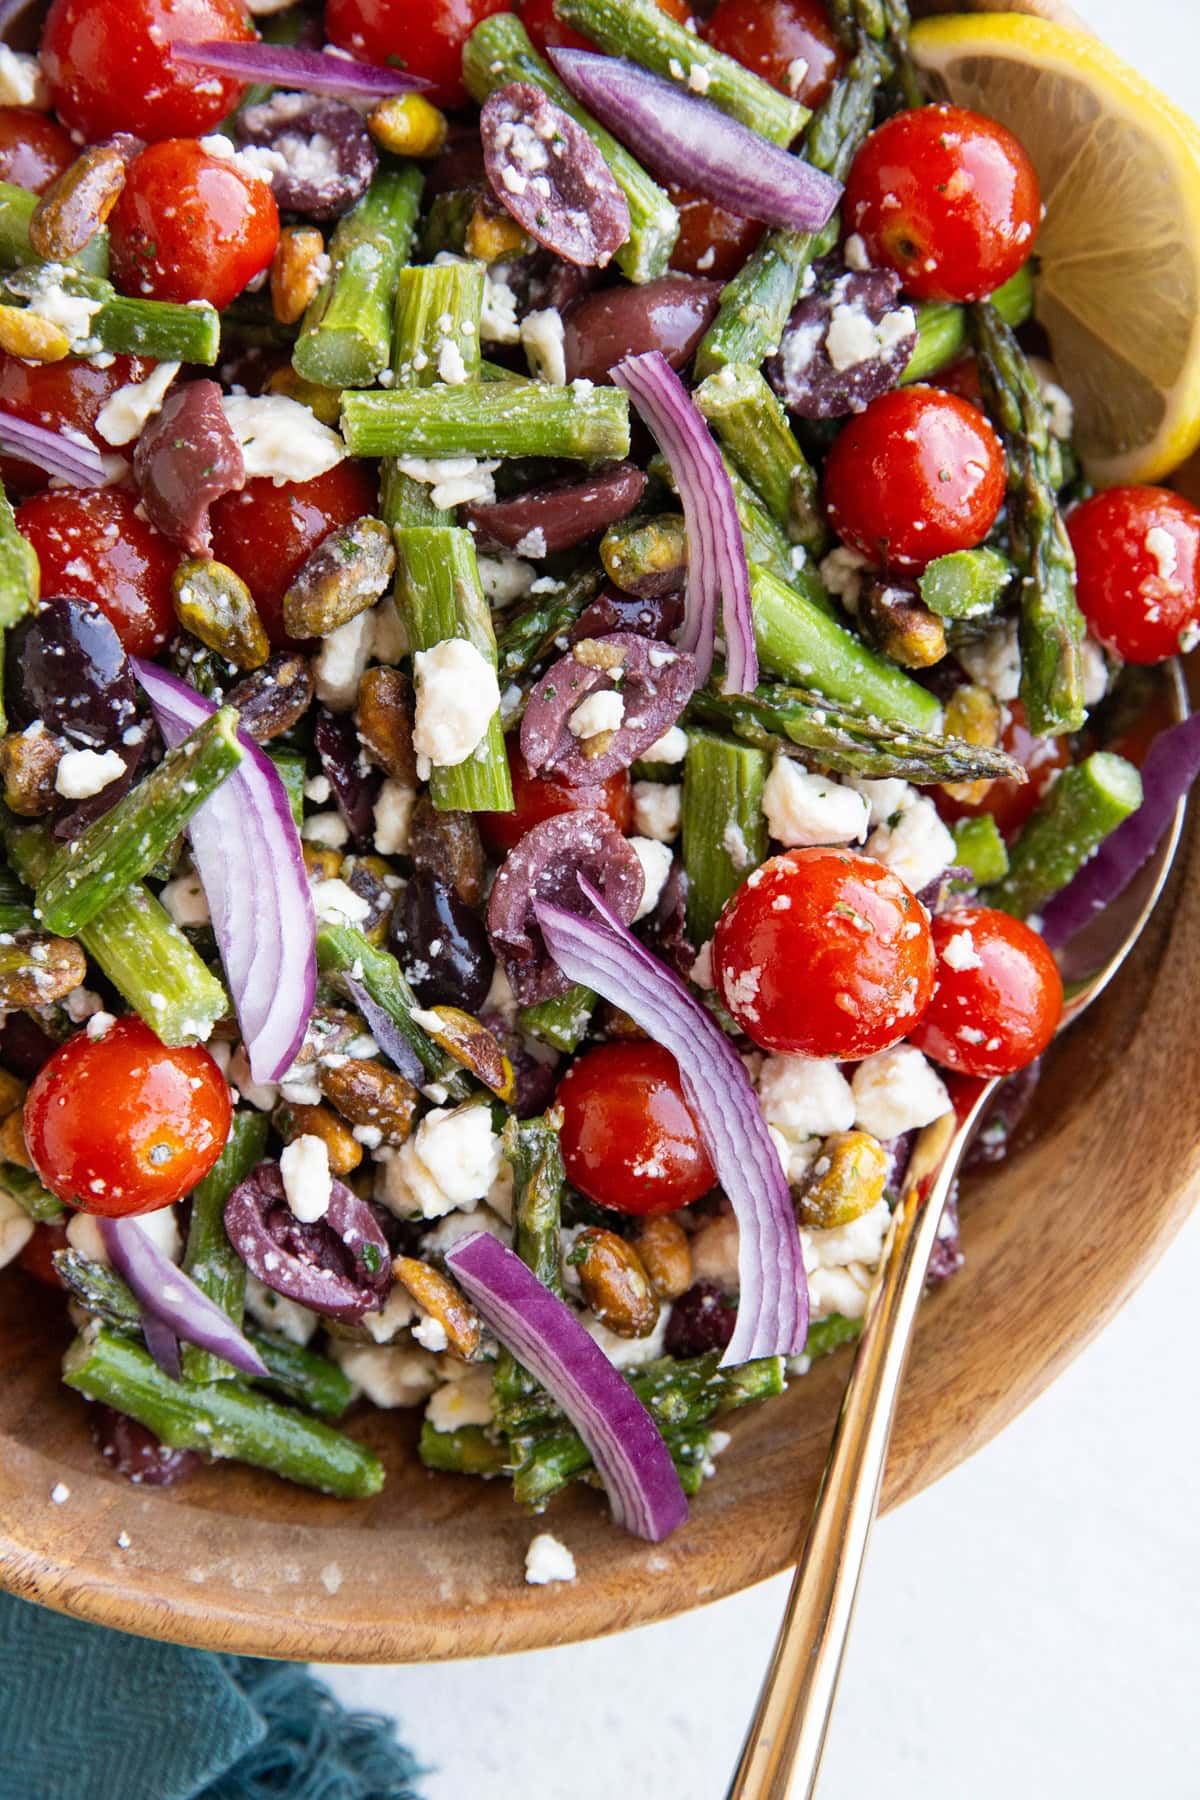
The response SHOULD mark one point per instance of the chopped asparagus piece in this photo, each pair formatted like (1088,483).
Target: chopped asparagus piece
(829,1334)
(209,1257)
(530,633)
(351,961)
(979,847)
(490,419)
(1086,802)
(532,1148)
(724,832)
(23,1186)
(752,425)
(19,573)
(346,338)
(436,336)
(966,584)
(942,327)
(562,1023)
(302,1375)
(466,1451)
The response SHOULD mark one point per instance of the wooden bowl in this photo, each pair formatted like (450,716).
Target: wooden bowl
(1055,1240)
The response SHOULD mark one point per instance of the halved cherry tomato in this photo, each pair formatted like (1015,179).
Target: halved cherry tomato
(425,40)
(68,393)
(34,148)
(122,1124)
(999,994)
(947,198)
(1011,802)
(37,1255)
(790,43)
(93,544)
(538,797)
(918,474)
(629,1139)
(711,241)
(190,226)
(549,33)
(1137,554)
(824,953)
(110,68)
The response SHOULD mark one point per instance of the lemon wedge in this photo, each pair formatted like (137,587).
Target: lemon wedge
(1119,251)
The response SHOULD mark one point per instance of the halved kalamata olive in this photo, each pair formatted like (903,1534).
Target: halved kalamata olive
(442,943)
(65,665)
(447,844)
(847,341)
(670,314)
(338,1266)
(134,1451)
(540,280)
(24,1045)
(548,173)
(275,697)
(187,457)
(354,782)
(658,616)
(560,514)
(534,1077)
(75,819)
(651,683)
(327,151)
(546,865)
(665,931)
(458,165)
(702,1319)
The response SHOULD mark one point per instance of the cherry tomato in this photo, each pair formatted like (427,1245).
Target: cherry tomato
(790,43)
(34,148)
(918,474)
(629,1139)
(121,1124)
(538,797)
(1011,802)
(711,241)
(425,40)
(1137,551)
(549,33)
(110,68)
(824,953)
(94,545)
(999,994)
(265,532)
(37,1255)
(190,226)
(946,198)
(71,392)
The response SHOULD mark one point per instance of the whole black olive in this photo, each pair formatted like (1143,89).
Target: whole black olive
(442,943)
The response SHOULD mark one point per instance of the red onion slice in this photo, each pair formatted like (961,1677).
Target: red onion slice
(247,854)
(717,569)
(310,71)
(685,139)
(600,953)
(173,1297)
(73,458)
(543,1333)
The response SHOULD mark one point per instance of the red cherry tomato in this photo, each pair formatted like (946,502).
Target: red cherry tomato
(824,953)
(947,198)
(999,994)
(549,33)
(71,392)
(37,1254)
(265,532)
(1011,802)
(629,1139)
(425,40)
(918,474)
(34,148)
(110,68)
(93,545)
(1137,551)
(121,1124)
(711,241)
(538,797)
(190,226)
(776,37)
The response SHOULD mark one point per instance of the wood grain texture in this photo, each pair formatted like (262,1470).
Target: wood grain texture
(1055,1241)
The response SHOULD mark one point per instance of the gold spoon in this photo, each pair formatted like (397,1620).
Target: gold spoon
(783,1748)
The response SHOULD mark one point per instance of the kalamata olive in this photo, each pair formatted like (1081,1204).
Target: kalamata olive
(275,697)
(847,341)
(459,164)
(447,844)
(1002,1115)
(670,314)
(339,1265)
(187,457)
(328,155)
(665,931)
(548,173)
(702,1319)
(947,1257)
(442,944)
(658,617)
(535,1077)
(65,665)
(354,782)
(939,893)
(540,280)
(560,514)
(652,685)
(24,1045)
(134,1451)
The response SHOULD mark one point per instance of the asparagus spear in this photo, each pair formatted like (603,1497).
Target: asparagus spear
(755,434)
(291,767)
(531,632)
(497,52)
(221,1419)
(209,1257)
(942,326)
(99,1289)
(302,1375)
(533,1150)
(562,1022)
(979,847)
(1086,802)
(468,1450)
(495,419)
(16,251)
(119,325)
(966,584)
(346,337)
(724,832)
(351,962)
(436,334)
(20,577)
(23,1186)
(829,1334)
(1052,626)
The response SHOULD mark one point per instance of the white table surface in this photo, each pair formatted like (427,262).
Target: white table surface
(1029,1627)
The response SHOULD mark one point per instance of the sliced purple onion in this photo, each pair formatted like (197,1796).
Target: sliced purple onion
(717,570)
(73,458)
(162,1344)
(681,138)
(173,1297)
(1172,765)
(247,854)
(311,71)
(385,1031)
(543,1333)
(773,1291)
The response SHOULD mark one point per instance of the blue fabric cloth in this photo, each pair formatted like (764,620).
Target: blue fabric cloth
(90,1714)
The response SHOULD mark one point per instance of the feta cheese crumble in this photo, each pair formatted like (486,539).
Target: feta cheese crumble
(917,846)
(281,438)
(542,339)
(803,808)
(655,859)
(457,694)
(897,1091)
(548,1560)
(82,773)
(124,417)
(449,1163)
(657,809)
(600,712)
(307,1183)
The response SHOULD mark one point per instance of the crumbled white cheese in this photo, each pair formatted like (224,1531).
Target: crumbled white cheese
(72,313)
(1162,547)
(389,634)
(498,320)
(256,162)
(450,365)
(994,661)
(81,1003)
(840,1263)
(853,338)
(304,1165)
(671,747)
(388,1374)
(60,1493)
(1093,672)
(897,1091)
(657,809)
(457,695)
(843,572)
(602,711)
(456,1225)
(542,340)
(340,662)
(431,1334)
(449,1163)
(16,1228)
(1057,401)
(804,808)
(547,1560)
(161,1227)
(394,1316)
(855,252)
(277,1313)
(21,80)
(701,971)
(805,1096)
(186,901)
(917,847)
(628,1353)
(281,438)
(82,773)
(796,71)
(505,579)
(465,1398)
(123,417)
(452,480)
(262,9)
(393,816)
(655,859)
(886,796)
(336,903)
(328,829)
(960,952)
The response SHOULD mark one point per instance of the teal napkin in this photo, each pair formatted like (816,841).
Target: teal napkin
(90,1712)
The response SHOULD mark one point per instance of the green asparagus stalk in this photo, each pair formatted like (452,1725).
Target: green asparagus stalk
(530,632)
(979,847)
(755,434)
(966,584)
(497,52)
(223,1419)
(16,251)
(82,877)
(724,832)
(435,336)
(440,596)
(23,1186)
(404,502)
(641,31)
(562,1022)
(468,1450)
(16,903)
(302,1375)
(829,1334)
(1052,626)
(532,1148)
(942,326)
(209,1257)
(19,573)
(99,1289)
(344,956)
(492,419)
(346,337)
(290,767)
(1086,802)
(122,326)
(444,230)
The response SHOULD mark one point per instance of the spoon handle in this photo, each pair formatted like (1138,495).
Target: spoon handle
(782,1753)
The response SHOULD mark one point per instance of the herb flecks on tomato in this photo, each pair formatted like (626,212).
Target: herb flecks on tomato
(93,544)
(999,995)
(190,226)
(629,1139)
(1137,555)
